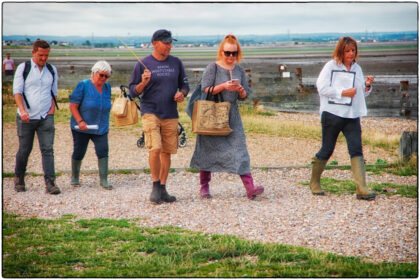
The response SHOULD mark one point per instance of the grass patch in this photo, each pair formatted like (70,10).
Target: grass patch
(400,168)
(388,142)
(119,248)
(8,174)
(391,189)
(266,113)
(123,171)
(12,174)
(192,170)
(263,124)
(348,187)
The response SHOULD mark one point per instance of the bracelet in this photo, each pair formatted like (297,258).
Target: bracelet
(80,121)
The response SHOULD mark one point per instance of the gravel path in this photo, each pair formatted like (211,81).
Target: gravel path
(287,213)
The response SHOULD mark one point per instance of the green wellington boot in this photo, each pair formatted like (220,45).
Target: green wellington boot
(75,172)
(317,169)
(103,173)
(358,169)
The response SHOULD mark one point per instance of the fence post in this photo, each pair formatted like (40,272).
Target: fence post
(408,144)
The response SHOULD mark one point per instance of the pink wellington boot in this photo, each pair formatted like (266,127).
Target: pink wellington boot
(251,190)
(205,177)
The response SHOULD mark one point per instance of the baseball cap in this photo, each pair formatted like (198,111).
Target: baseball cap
(163,35)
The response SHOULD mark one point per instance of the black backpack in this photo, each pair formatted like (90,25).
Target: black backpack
(26,71)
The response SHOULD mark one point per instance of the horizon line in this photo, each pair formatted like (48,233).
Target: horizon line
(273,34)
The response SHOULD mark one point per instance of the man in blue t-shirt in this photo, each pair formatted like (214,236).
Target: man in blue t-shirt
(160,81)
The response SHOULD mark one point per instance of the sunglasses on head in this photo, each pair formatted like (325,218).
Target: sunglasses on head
(230,36)
(103,75)
(228,53)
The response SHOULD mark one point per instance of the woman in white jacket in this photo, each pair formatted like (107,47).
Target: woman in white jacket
(342,90)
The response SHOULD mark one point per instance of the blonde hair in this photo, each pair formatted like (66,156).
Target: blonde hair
(338,54)
(231,39)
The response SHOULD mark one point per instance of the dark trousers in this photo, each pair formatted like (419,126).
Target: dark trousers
(332,125)
(81,141)
(45,130)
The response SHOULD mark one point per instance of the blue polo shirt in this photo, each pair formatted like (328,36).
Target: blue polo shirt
(94,107)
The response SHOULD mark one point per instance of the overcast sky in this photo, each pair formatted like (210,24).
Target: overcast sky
(122,19)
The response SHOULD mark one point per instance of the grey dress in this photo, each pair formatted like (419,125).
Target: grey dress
(224,153)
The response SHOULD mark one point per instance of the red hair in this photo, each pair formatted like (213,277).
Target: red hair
(231,39)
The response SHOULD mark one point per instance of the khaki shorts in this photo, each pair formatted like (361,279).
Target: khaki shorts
(160,133)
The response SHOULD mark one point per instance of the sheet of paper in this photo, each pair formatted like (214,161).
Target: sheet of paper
(89,126)
(342,80)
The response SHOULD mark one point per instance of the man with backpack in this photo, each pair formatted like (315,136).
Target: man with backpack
(34,89)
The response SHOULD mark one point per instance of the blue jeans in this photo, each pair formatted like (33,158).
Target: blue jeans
(45,130)
(332,125)
(81,141)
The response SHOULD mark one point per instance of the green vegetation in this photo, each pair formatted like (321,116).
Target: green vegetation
(8,174)
(68,247)
(400,168)
(192,170)
(391,189)
(347,187)
(123,171)
(255,122)
(333,163)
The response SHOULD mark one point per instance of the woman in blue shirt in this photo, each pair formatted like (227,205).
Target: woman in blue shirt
(90,104)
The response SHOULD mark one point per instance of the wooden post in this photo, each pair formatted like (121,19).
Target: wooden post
(408,144)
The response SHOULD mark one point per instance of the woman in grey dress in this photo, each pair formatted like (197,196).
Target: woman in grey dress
(225,153)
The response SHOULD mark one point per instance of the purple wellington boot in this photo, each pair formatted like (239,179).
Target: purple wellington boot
(205,177)
(251,190)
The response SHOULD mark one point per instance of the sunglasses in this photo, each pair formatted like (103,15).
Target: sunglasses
(103,76)
(228,53)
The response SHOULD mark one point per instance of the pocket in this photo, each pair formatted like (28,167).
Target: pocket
(148,138)
(23,127)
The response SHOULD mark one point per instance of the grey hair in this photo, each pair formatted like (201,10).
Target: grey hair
(101,66)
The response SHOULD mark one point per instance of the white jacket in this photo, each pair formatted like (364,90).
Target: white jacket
(325,91)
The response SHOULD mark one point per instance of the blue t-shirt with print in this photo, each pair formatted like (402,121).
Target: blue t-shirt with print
(94,107)
(168,76)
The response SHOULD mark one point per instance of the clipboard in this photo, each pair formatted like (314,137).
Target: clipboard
(341,80)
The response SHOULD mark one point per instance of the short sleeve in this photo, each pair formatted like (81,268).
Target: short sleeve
(77,94)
